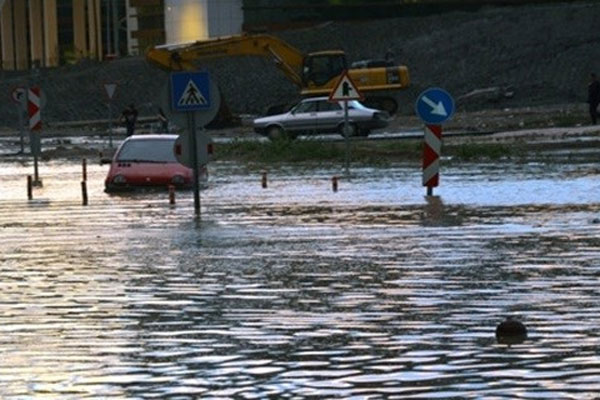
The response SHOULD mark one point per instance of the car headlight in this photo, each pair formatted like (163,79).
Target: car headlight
(177,180)
(119,180)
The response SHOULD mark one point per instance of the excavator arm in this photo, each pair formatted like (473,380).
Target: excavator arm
(185,56)
(315,74)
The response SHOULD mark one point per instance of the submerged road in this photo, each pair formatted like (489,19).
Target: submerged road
(297,292)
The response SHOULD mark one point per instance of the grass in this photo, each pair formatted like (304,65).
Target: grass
(376,153)
(559,119)
(478,151)
(282,150)
(307,150)
(566,121)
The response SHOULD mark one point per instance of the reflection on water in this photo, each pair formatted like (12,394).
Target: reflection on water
(373,292)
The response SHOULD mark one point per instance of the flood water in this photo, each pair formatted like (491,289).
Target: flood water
(297,292)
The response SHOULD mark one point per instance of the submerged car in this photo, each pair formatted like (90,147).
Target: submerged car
(319,115)
(147,161)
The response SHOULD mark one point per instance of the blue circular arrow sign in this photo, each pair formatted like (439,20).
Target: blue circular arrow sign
(434,106)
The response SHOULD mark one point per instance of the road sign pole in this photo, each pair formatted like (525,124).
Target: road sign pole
(34,104)
(21,127)
(110,88)
(34,138)
(19,96)
(194,158)
(345,90)
(194,94)
(36,175)
(347,138)
(110,124)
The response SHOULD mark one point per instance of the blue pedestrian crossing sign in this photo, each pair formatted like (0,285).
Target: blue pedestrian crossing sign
(190,91)
(434,106)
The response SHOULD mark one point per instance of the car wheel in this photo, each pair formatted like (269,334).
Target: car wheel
(352,130)
(389,104)
(275,133)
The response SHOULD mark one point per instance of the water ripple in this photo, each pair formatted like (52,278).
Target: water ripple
(371,294)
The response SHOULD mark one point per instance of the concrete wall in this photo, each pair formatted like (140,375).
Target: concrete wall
(51,53)
(185,20)
(36,35)
(190,20)
(79,25)
(20,29)
(6,28)
(132,26)
(87,30)
(226,17)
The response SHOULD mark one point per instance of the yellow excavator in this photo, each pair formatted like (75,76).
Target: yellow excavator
(314,73)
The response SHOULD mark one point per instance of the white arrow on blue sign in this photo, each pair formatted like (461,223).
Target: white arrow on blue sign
(434,106)
(190,91)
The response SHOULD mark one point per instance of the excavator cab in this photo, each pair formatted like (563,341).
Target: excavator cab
(315,73)
(321,67)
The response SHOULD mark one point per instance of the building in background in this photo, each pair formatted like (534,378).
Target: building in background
(28,34)
(156,22)
(145,25)
(79,29)
(48,33)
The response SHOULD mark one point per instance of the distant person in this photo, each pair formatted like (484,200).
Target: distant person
(594,97)
(163,120)
(129,118)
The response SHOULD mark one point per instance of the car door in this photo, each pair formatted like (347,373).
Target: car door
(330,115)
(303,117)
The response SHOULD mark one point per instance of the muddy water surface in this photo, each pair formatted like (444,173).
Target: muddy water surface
(296,292)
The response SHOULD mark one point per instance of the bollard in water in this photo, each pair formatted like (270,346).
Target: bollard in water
(29,188)
(171,194)
(84,169)
(511,331)
(334,183)
(84,194)
(264,180)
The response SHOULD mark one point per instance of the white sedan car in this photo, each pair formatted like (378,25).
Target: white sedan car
(319,115)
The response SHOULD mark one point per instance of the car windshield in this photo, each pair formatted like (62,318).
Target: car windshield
(148,150)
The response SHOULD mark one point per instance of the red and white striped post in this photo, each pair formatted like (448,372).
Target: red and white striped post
(433,106)
(431,157)
(34,106)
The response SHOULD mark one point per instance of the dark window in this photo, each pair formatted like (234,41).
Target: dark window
(305,107)
(329,106)
(320,69)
